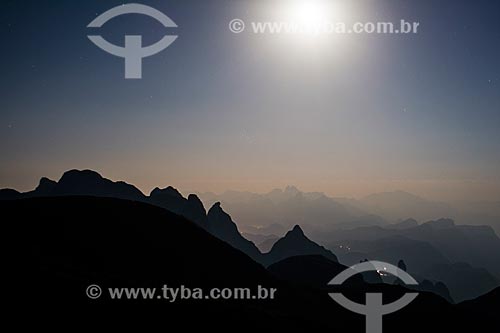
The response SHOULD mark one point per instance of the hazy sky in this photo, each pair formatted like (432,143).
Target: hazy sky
(345,114)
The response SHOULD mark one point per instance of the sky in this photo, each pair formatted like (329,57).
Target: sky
(347,115)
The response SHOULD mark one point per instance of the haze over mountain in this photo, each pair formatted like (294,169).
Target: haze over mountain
(426,247)
(430,249)
(138,244)
(351,130)
(464,281)
(90,183)
(316,210)
(400,204)
(216,221)
(287,207)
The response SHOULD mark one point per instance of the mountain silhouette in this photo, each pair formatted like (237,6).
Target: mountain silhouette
(168,198)
(121,240)
(90,183)
(404,224)
(286,207)
(46,187)
(485,306)
(10,194)
(195,211)
(419,255)
(222,226)
(478,245)
(61,245)
(216,221)
(427,248)
(172,200)
(438,288)
(464,281)
(400,204)
(295,243)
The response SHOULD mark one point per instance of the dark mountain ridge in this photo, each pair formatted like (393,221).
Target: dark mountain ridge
(296,243)
(216,221)
(61,245)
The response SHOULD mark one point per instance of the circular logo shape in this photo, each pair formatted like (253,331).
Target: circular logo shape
(93,291)
(133,52)
(373,309)
(237,26)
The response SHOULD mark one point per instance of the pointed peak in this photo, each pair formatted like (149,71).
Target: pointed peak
(194,201)
(297,230)
(193,197)
(216,206)
(216,209)
(217,212)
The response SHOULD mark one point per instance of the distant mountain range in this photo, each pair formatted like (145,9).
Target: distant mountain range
(61,245)
(286,208)
(316,271)
(399,204)
(290,206)
(216,221)
(430,249)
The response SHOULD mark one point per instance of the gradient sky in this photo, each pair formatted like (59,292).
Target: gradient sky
(347,115)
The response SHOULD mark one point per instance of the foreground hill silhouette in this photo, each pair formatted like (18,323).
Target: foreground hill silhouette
(61,245)
(489,303)
(424,259)
(91,183)
(310,270)
(65,244)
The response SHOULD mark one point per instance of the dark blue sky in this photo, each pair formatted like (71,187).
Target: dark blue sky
(348,115)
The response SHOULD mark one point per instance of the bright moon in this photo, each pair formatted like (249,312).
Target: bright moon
(309,12)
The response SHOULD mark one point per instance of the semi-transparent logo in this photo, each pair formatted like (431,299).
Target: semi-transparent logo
(133,52)
(374,309)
